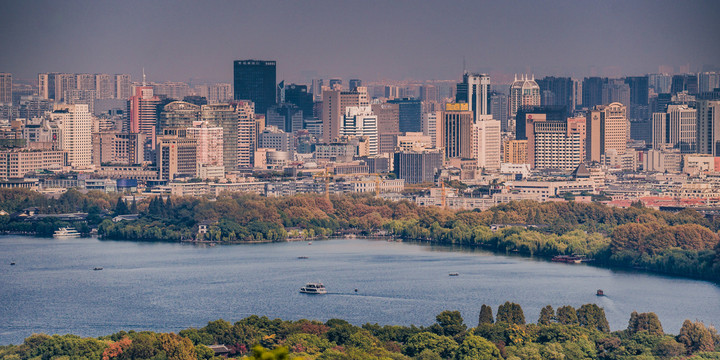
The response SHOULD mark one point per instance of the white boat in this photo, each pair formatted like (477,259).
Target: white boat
(66,233)
(313,288)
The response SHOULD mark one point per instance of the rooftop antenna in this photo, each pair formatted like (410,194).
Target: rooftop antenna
(144,82)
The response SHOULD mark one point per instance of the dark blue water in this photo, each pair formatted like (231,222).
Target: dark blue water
(169,287)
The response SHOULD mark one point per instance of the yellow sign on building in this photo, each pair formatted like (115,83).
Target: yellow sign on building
(457,107)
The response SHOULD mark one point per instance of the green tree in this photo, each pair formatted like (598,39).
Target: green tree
(567,315)
(645,322)
(261,353)
(547,315)
(451,323)
(593,316)
(441,345)
(121,207)
(486,315)
(510,313)
(477,348)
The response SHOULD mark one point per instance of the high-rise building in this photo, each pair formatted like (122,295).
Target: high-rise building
(359,121)
(105,86)
(458,131)
(176,155)
(255,80)
(684,82)
(429,93)
(475,90)
(299,96)
(220,93)
(6,88)
(388,118)
(75,123)
(286,117)
(85,81)
(112,147)
(524,92)
(708,127)
(226,117)
(178,114)
(592,91)
(432,125)
(616,90)
(143,117)
(86,97)
(660,83)
(418,167)
(336,84)
(274,138)
(333,108)
(550,113)
(354,84)
(248,126)
(606,129)
(708,81)
(123,88)
(209,140)
(409,114)
(676,127)
(486,143)
(555,144)
(499,109)
(515,152)
(557,91)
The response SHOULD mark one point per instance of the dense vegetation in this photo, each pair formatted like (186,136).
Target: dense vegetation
(683,243)
(569,334)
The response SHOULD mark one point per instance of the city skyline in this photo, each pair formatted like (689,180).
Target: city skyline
(393,41)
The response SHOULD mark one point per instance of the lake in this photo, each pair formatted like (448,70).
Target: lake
(169,287)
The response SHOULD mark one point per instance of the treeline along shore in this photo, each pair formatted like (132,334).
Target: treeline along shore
(683,243)
(567,333)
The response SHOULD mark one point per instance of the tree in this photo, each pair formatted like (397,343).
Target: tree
(593,317)
(511,313)
(486,315)
(451,323)
(442,345)
(121,207)
(696,337)
(261,353)
(477,348)
(645,322)
(567,315)
(547,315)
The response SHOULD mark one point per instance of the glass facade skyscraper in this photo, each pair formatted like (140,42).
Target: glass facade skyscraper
(255,80)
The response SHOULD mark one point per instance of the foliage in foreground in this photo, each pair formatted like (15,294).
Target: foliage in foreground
(582,335)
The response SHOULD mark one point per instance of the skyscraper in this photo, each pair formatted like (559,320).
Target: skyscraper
(286,117)
(592,90)
(255,80)
(176,155)
(333,108)
(606,129)
(5,88)
(432,124)
(226,117)
(354,84)
(562,90)
(556,144)
(209,141)
(524,92)
(123,90)
(105,86)
(247,130)
(708,127)
(677,127)
(142,116)
(75,133)
(409,114)
(298,95)
(178,114)
(486,143)
(458,131)
(359,121)
(499,109)
(475,90)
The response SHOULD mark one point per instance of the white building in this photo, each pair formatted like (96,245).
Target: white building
(677,127)
(209,143)
(486,143)
(523,92)
(359,121)
(432,126)
(75,124)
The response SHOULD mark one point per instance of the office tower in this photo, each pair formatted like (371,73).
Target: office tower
(499,109)
(550,113)
(226,117)
(556,144)
(391,92)
(54,85)
(209,140)
(515,152)
(220,93)
(486,143)
(524,92)
(354,84)
(105,86)
(429,93)
(123,89)
(117,148)
(44,85)
(708,127)
(606,129)
(86,97)
(639,87)
(409,114)
(388,118)
(143,117)
(176,155)
(85,81)
(317,89)
(286,117)
(418,167)
(333,108)
(475,90)
(557,91)
(274,138)
(336,84)
(34,107)
(359,121)
(75,125)
(5,88)
(684,82)
(708,81)
(177,114)
(458,131)
(298,95)
(255,81)
(432,127)
(248,126)
(592,91)
(616,90)
(660,83)
(677,127)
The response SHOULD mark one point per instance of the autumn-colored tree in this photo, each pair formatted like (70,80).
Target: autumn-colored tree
(696,337)
(645,322)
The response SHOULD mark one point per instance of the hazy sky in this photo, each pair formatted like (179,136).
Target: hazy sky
(372,40)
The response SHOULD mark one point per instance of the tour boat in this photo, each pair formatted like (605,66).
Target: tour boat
(97,268)
(600,293)
(313,288)
(66,233)
(12,263)
(454,274)
(302,257)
